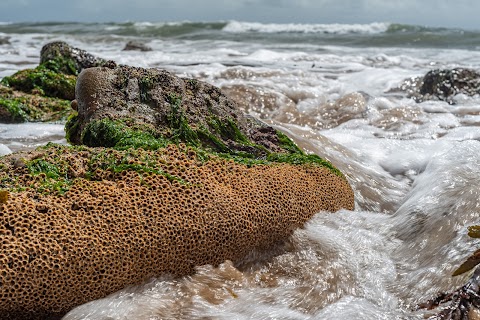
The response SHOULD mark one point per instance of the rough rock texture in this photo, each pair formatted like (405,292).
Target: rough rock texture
(175,177)
(442,85)
(187,110)
(120,217)
(70,60)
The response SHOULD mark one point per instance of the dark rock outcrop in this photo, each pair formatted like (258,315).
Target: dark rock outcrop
(169,108)
(442,85)
(62,58)
(134,45)
(4,40)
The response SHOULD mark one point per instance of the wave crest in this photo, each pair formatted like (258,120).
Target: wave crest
(335,28)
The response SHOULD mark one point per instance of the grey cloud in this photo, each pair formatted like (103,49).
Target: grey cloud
(461,13)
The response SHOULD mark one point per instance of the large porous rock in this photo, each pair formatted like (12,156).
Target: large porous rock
(175,178)
(81,223)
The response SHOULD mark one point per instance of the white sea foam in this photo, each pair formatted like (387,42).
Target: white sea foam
(159,24)
(335,28)
(4,150)
(30,135)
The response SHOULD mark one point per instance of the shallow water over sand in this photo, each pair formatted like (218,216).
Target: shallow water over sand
(414,168)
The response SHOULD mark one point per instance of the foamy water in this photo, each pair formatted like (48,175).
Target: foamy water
(414,167)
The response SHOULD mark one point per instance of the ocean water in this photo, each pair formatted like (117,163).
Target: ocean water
(414,167)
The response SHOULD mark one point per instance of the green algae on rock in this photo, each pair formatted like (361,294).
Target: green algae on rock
(44,82)
(123,107)
(17,106)
(44,93)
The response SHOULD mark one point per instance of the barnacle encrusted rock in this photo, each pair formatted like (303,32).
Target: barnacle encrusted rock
(174,177)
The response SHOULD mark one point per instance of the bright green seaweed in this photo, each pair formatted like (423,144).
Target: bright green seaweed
(44,81)
(118,135)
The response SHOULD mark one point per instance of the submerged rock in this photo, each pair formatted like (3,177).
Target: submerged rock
(443,84)
(173,177)
(4,40)
(462,303)
(134,45)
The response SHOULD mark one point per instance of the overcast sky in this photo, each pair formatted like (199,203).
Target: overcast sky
(448,13)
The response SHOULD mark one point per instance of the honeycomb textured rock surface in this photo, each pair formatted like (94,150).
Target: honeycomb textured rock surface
(86,222)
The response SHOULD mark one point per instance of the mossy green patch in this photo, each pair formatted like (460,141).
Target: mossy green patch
(287,143)
(228,130)
(118,135)
(212,142)
(110,162)
(52,176)
(18,106)
(39,166)
(62,64)
(17,111)
(179,124)
(53,172)
(43,81)
(301,158)
(71,127)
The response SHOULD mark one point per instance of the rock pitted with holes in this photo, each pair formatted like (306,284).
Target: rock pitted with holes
(78,223)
